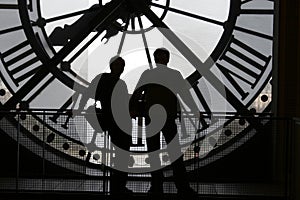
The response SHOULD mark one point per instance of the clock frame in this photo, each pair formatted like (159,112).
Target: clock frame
(32,64)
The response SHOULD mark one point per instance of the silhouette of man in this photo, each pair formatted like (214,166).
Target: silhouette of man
(161,85)
(101,89)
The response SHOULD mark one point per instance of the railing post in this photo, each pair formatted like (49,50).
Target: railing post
(18,153)
(43,165)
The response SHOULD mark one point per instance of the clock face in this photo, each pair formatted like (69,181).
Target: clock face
(50,51)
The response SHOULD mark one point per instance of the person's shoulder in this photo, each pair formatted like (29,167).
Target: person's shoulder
(175,72)
(96,79)
(121,86)
(99,76)
(147,71)
(121,81)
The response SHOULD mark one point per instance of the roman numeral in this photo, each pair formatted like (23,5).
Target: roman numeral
(20,62)
(9,30)
(8,6)
(13,6)
(244,63)
(257,11)
(251,32)
(254,11)
(251,10)
(247,1)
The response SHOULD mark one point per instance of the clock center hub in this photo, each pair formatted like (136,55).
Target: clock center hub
(133,10)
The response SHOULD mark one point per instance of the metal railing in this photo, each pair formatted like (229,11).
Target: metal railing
(44,154)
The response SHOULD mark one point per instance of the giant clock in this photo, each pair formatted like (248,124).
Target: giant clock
(46,44)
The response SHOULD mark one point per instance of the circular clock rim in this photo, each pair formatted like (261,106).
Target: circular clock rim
(194,77)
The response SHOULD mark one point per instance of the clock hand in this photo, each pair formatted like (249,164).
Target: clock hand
(60,36)
(145,42)
(66,16)
(188,14)
(195,61)
(101,20)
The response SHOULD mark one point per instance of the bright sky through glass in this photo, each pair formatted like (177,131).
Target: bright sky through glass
(201,36)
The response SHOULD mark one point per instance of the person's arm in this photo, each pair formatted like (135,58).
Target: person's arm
(119,106)
(122,91)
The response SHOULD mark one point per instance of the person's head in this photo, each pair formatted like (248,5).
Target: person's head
(161,56)
(117,65)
